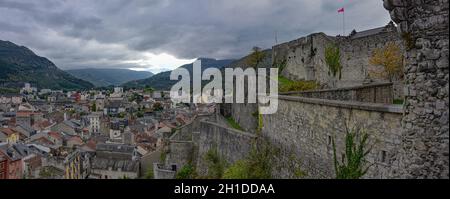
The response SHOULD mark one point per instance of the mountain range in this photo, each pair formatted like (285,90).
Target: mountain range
(108,77)
(18,65)
(161,81)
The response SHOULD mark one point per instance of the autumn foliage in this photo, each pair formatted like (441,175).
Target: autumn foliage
(389,62)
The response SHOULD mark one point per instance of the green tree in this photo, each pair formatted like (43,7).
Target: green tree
(139,114)
(256,57)
(148,89)
(157,106)
(121,115)
(390,58)
(94,107)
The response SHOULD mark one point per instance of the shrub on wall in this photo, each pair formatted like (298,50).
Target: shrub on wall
(162,157)
(149,174)
(216,165)
(408,40)
(353,164)
(259,118)
(233,123)
(238,170)
(258,165)
(332,58)
(186,172)
(286,85)
(260,122)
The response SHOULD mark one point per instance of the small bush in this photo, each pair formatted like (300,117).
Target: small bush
(287,85)
(149,173)
(259,117)
(260,123)
(256,166)
(186,172)
(238,170)
(162,157)
(408,40)
(399,101)
(353,164)
(216,165)
(234,124)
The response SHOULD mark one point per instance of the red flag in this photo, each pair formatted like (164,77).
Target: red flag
(341,10)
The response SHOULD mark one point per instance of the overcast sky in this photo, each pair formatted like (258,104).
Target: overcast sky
(158,35)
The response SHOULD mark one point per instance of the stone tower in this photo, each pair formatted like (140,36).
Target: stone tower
(424,27)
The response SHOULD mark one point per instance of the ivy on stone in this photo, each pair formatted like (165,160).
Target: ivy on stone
(332,58)
(281,65)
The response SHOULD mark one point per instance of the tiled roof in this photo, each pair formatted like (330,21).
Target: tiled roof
(55,135)
(121,148)
(24,114)
(8,131)
(91,144)
(43,124)
(11,153)
(76,139)
(71,124)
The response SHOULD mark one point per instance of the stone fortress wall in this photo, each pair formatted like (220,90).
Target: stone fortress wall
(425,141)
(303,129)
(191,143)
(408,141)
(411,143)
(231,144)
(374,93)
(305,57)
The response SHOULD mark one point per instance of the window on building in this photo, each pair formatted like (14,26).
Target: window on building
(383,157)
(174,167)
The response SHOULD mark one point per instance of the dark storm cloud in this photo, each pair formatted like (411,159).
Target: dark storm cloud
(131,34)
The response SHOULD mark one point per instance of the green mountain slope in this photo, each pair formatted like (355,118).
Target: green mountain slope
(19,64)
(161,81)
(107,77)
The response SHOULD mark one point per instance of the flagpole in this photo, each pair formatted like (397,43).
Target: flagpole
(343,22)
(343,19)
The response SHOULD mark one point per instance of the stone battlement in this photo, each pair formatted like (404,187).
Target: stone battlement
(304,58)
(373,93)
